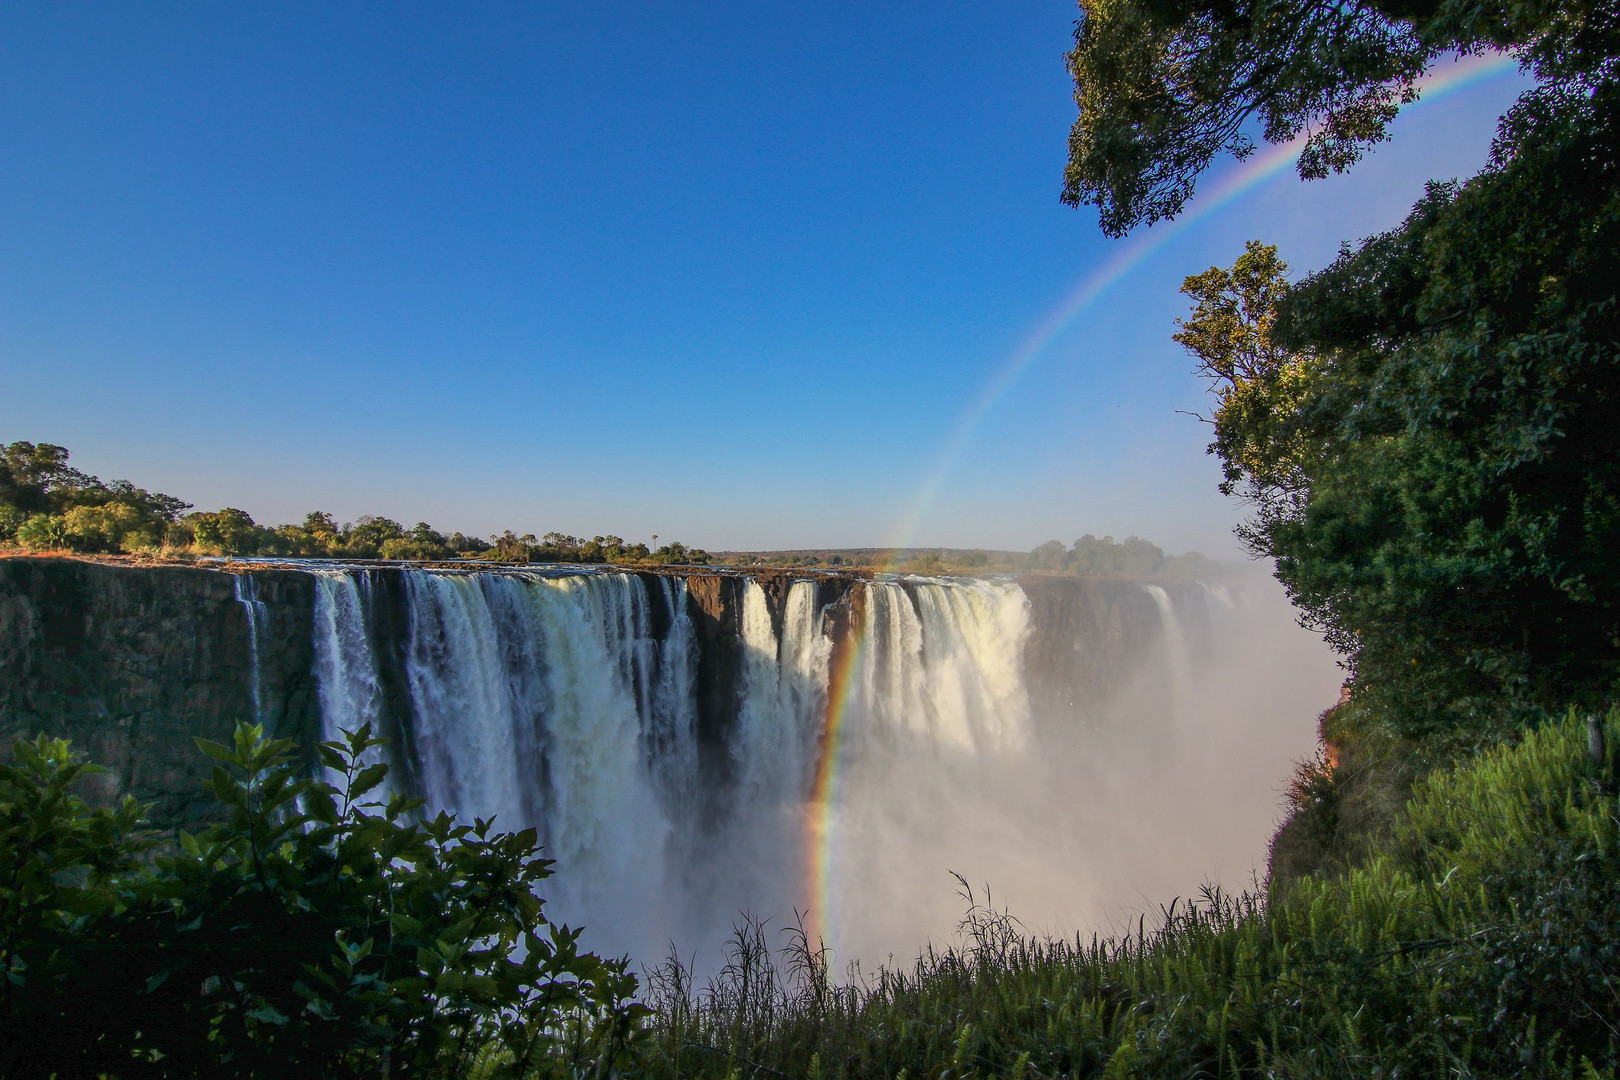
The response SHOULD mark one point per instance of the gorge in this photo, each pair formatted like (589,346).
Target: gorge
(695,743)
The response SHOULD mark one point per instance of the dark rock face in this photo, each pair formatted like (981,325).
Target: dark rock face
(715,603)
(1090,636)
(132,663)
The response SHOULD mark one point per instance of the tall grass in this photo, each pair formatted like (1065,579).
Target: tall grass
(1484,941)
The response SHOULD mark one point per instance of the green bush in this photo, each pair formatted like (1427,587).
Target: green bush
(112,527)
(309,933)
(43,532)
(226,532)
(11,519)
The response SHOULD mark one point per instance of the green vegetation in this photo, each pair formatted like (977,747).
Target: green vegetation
(46,505)
(311,932)
(1426,429)
(315,933)
(1484,941)
(1132,557)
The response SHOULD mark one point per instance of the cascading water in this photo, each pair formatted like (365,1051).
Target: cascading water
(571,702)
(779,711)
(1175,645)
(258,622)
(938,718)
(348,679)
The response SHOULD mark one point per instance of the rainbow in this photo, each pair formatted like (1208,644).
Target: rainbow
(820,840)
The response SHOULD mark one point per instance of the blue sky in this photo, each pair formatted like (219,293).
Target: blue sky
(729,273)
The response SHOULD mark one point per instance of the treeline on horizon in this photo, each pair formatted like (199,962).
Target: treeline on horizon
(1089,555)
(47,505)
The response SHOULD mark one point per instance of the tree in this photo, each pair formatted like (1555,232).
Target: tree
(226,532)
(319,521)
(46,503)
(368,534)
(31,474)
(509,547)
(1164,86)
(1428,428)
(1258,384)
(1051,555)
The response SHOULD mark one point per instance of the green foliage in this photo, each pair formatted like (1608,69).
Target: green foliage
(11,519)
(1051,555)
(1426,429)
(1259,385)
(678,554)
(47,504)
(1132,557)
(1485,942)
(227,532)
(1164,86)
(43,532)
(36,477)
(319,930)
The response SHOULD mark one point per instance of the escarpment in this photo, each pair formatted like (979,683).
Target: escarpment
(134,662)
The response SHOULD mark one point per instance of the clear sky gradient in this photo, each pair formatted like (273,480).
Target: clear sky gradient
(730,273)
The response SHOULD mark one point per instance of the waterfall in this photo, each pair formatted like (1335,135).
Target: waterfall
(1175,646)
(671,726)
(570,701)
(781,707)
(347,679)
(945,665)
(804,655)
(258,623)
(936,751)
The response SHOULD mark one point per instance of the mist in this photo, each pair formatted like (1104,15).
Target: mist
(1081,749)
(1105,813)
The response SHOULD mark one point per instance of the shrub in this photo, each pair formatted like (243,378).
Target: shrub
(318,930)
(43,532)
(226,532)
(11,519)
(111,527)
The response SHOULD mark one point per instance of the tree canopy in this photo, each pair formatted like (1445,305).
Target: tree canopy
(47,505)
(1427,429)
(1165,86)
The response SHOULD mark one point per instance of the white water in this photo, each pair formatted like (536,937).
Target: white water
(1175,648)
(258,621)
(570,703)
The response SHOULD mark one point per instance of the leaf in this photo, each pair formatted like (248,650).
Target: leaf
(216,750)
(269,1015)
(331,756)
(368,778)
(228,789)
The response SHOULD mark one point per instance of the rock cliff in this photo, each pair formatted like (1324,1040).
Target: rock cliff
(133,662)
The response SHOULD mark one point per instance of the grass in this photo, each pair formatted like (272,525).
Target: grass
(1483,939)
